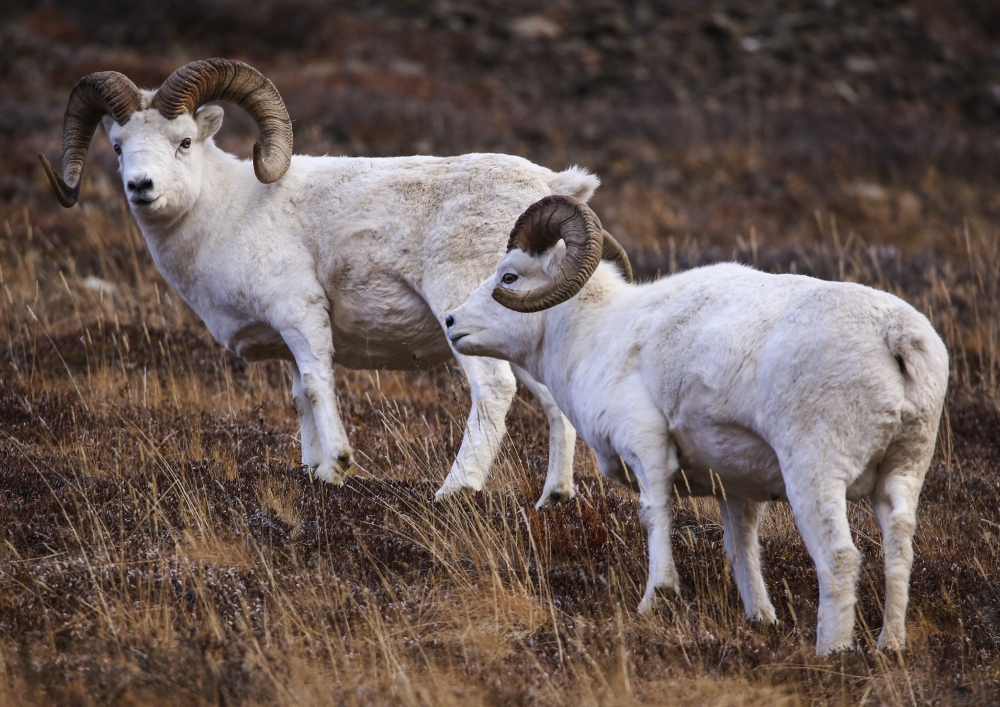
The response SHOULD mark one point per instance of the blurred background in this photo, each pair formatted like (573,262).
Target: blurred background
(714,126)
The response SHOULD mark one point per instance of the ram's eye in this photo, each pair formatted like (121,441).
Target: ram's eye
(186,142)
(509,279)
(118,150)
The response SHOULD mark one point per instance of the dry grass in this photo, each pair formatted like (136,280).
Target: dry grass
(160,543)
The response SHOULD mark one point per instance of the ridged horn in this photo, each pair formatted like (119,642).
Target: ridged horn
(539,228)
(93,96)
(613,252)
(201,82)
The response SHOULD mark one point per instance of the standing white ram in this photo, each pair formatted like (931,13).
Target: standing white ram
(764,387)
(318,260)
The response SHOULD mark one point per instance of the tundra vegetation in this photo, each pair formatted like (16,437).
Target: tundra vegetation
(158,543)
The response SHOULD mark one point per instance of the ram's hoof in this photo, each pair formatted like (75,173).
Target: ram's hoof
(764,616)
(663,595)
(333,471)
(825,650)
(891,642)
(453,486)
(556,495)
(453,494)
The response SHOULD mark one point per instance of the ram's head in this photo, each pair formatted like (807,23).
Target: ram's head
(159,136)
(553,250)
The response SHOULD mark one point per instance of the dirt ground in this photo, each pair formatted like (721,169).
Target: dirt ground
(160,543)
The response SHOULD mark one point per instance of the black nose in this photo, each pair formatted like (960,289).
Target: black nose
(145,185)
(449,320)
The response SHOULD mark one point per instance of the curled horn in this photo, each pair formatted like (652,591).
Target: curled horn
(539,228)
(208,80)
(613,252)
(93,96)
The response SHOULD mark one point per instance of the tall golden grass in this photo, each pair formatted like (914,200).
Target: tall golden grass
(161,544)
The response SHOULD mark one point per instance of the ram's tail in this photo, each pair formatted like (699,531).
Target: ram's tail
(576,182)
(922,359)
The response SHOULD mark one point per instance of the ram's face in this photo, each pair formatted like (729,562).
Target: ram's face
(161,160)
(484,327)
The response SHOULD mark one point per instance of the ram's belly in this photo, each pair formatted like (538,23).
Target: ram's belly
(390,328)
(419,351)
(731,458)
(257,341)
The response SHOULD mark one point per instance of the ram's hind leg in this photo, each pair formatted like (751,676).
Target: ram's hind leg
(492,386)
(741,519)
(818,496)
(312,453)
(894,500)
(562,438)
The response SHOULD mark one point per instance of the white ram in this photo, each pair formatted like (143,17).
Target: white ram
(318,260)
(726,380)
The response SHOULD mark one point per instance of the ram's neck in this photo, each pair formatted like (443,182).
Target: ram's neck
(579,333)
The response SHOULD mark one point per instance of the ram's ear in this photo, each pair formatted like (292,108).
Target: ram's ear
(552,259)
(209,120)
(107,121)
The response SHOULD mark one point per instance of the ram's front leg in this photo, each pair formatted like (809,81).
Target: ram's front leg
(656,468)
(492,386)
(325,448)
(562,438)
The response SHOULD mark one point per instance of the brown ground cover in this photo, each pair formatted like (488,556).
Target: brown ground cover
(161,545)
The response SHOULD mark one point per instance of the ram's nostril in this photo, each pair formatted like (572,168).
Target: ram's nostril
(449,320)
(144,184)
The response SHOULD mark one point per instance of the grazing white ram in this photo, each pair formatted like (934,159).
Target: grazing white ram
(318,260)
(726,380)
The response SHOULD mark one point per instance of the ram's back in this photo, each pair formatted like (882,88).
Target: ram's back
(397,242)
(795,362)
